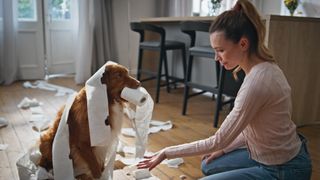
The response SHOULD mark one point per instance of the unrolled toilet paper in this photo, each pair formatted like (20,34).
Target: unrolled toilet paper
(62,164)
(97,105)
(141,117)
(135,96)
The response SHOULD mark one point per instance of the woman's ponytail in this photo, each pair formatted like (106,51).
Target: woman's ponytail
(250,11)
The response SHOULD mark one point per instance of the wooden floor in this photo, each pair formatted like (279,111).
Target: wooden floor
(196,125)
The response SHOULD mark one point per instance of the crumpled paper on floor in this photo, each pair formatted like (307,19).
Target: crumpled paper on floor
(155,126)
(36,110)
(26,103)
(38,119)
(27,169)
(40,122)
(173,163)
(61,91)
(3,122)
(3,147)
(132,173)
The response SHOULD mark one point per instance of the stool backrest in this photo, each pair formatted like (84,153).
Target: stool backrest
(142,27)
(190,28)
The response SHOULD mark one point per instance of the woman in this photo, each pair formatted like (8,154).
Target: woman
(261,118)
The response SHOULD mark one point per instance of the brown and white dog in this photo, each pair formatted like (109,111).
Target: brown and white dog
(86,159)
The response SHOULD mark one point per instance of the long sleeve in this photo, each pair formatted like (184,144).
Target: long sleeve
(239,142)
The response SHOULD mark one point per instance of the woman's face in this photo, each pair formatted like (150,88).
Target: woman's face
(228,53)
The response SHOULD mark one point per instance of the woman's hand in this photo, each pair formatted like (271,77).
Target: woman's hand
(212,156)
(152,161)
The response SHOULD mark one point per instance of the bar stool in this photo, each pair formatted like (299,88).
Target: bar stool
(191,28)
(162,45)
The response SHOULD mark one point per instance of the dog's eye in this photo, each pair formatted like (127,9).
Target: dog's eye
(118,75)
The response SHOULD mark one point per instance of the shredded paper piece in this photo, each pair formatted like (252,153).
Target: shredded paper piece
(3,122)
(155,126)
(61,91)
(41,125)
(3,147)
(38,120)
(133,173)
(174,163)
(36,110)
(27,103)
(38,117)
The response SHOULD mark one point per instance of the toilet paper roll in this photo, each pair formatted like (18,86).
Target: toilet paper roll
(135,96)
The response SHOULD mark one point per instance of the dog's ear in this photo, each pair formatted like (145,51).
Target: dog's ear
(105,76)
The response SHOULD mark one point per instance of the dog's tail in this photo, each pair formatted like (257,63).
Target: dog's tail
(46,142)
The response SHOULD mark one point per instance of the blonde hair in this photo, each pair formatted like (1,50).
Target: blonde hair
(244,20)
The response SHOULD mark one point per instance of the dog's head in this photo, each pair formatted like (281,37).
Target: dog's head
(116,77)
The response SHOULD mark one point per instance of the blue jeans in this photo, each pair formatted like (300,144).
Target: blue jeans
(238,165)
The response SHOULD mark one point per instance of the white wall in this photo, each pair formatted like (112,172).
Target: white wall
(126,11)
(271,7)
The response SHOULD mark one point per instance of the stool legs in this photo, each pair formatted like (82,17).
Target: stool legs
(165,59)
(184,63)
(186,86)
(159,76)
(139,64)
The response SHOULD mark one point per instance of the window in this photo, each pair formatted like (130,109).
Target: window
(203,7)
(200,7)
(59,10)
(27,10)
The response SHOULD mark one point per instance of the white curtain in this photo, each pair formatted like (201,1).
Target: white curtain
(95,38)
(8,29)
(84,43)
(175,7)
(104,43)
(180,8)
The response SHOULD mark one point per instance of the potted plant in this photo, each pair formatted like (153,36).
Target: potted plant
(215,5)
(291,5)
